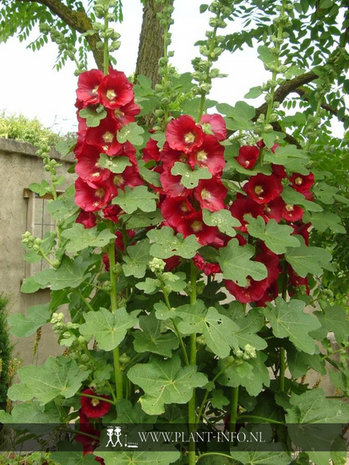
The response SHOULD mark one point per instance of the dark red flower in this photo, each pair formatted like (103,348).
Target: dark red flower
(292,212)
(248,156)
(88,168)
(211,194)
(87,91)
(274,209)
(104,137)
(210,154)
(184,134)
(94,408)
(175,209)
(86,430)
(125,114)
(302,183)
(269,295)
(112,212)
(169,157)
(151,151)
(253,291)
(115,90)
(129,177)
(302,230)
(90,198)
(263,188)
(172,185)
(217,125)
(206,267)
(279,170)
(87,219)
(244,206)
(295,280)
(271,261)
(172,262)
(193,224)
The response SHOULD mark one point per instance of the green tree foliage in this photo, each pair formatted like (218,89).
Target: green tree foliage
(5,352)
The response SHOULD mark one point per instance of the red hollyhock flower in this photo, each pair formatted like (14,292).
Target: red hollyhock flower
(271,261)
(244,206)
(94,408)
(115,90)
(211,194)
(125,114)
(129,177)
(302,230)
(279,170)
(175,209)
(217,125)
(269,295)
(193,224)
(151,151)
(172,185)
(90,198)
(169,157)
(273,209)
(184,134)
(87,219)
(112,212)
(206,267)
(302,183)
(104,137)
(210,154)
(263,188)
(87,91)
(172,262)
(87,166)
(248,156)
(253,291)
(292,212)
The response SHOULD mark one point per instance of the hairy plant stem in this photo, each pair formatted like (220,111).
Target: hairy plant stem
(234,408)
(97,397)
(114,306)
(282,349)
(258,418)
(106,47)
(218,454)
(192,402)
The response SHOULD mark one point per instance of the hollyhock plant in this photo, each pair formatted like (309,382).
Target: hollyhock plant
(302,183)
(263,188)
(93,407)
(206,267)
(243,206)
(92,199)
(210,193)
(115,90)
(209,154)
(87,219)
(216,125)
(87,91)
(248,156)
(184,134)
(174,209)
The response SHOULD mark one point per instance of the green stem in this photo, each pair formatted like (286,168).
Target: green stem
(96,397)
(282,368)
(192,402)
(88,305)
(234,408)
(218,454)
(49,261)
(106,47)
(114,306)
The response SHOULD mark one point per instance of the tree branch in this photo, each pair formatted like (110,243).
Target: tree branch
(77,20)
(302,93)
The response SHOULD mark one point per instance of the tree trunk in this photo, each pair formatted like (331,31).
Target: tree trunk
(151,43)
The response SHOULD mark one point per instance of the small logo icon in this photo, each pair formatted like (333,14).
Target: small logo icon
(116,432)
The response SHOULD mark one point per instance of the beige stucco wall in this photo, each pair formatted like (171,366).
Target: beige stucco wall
(19,167)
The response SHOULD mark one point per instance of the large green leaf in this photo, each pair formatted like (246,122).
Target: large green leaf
(190,178)
(165,382)
(218,330)
(152,339)
(137,259)
(249,324)
(73,458)
(292,197)
(34,412)
(108,328)
(261,458)
(69,274)
(58,376)
(238,117)
(223,219)
(333,319)
(307,259)
(236,264)
(93,115)
(277,237)
(132,133)
(79,237)
(23,326)
(288,319)
(326,220)
(139,458)
(134,198)
(166,244)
